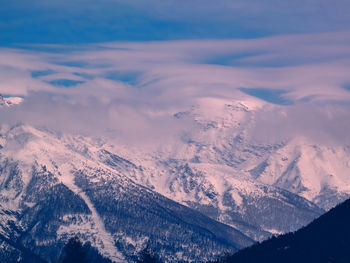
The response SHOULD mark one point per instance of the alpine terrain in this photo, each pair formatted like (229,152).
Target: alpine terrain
(212,189)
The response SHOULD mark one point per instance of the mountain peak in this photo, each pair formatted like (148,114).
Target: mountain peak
(10,101)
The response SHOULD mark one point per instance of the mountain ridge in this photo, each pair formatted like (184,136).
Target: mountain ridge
(325,239)
(256,189)
(54,188)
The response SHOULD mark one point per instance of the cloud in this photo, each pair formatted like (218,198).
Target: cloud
(326,125)
(123,88)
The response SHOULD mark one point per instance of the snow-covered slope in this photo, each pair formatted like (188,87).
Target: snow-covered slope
(260,188)
(214,169)
(53,187)
(10,101)
(319,173)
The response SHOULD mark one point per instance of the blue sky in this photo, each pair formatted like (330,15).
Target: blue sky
(87,21)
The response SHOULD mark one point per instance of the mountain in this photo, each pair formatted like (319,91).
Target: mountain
(326,239)
(186,194)
(311,169)
(254,208)
(53,187)
(258,187)
(9,101)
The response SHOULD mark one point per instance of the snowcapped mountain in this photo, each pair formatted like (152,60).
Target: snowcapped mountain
(259,188)
(222,146)
(317,172)
(10,101)
(211,189)
(53,187)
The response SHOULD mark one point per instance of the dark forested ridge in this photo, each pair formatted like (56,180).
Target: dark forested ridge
(77,252)
(74,251)
(326,239)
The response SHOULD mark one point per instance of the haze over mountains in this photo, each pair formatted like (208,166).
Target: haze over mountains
(217,173)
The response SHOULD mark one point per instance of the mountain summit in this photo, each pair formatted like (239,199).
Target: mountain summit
(9,101)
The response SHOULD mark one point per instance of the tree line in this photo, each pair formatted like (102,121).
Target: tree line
(75,251)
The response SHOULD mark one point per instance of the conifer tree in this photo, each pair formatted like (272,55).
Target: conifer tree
(147,256)
(74,252)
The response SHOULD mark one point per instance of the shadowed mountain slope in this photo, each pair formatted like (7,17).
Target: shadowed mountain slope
(326,239)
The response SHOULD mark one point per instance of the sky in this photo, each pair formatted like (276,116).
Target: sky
(130,65)
(95,21)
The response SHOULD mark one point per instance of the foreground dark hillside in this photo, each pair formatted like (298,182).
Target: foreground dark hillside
(326,239)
